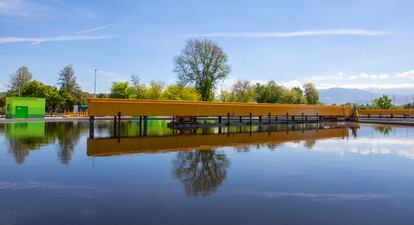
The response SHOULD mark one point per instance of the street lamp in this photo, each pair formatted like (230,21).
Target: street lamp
(94,85)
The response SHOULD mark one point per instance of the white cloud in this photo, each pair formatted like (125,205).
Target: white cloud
(408,74)
(292,83)
(20,8)
(39,40)
(364,81)
(329,32)
(341,80)
(370,76)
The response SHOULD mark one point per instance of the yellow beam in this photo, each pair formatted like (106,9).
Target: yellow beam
(155,144)
(129,107)
(366,112)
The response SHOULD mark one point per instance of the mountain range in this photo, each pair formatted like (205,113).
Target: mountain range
(345,95)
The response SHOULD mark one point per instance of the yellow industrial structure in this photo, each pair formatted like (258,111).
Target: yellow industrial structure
(129,107)
(187,112)
(385,112)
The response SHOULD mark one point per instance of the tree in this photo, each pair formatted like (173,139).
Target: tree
(383,102)
(2,101)
(140,90)
(155,90)
(54,99)
(242,91)
(311,94)
(269,93)
(178,92)
(121,90)
(19,79)
(202,63)
(67,81)
(225,96)
(135,80)
(298,93)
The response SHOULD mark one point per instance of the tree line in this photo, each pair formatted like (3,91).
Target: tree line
(59,98)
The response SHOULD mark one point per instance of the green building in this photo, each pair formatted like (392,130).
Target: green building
(23,107)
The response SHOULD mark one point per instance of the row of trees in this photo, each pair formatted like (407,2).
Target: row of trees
(61,97)
(244,91)
(155,90)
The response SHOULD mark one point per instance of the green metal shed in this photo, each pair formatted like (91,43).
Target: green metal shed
(25,107)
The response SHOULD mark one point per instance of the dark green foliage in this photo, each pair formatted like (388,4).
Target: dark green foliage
(383,102)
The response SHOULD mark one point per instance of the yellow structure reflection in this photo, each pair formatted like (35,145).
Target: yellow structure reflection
(156,144)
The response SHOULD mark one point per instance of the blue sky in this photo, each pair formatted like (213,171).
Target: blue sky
(352,44)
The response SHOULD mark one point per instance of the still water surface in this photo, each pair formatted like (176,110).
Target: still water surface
(51,173)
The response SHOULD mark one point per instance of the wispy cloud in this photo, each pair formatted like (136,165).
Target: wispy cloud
(93,29)
(39,40)
(304,33)
(20,8)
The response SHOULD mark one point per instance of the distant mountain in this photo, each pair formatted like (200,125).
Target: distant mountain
(344,95)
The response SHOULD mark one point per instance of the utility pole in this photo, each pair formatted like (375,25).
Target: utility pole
(94,85)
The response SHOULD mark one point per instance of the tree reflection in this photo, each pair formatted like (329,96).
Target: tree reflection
(309,144)
(20,149)
(68,135)
(24,137)
(201,171)
(383,130)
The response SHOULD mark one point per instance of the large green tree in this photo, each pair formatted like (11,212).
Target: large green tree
(202,64)
(19,79)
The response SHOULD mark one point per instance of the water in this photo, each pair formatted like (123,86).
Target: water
(334,174)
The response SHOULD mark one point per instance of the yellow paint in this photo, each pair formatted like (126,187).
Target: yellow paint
(156,144)
(365,112)
(129,107)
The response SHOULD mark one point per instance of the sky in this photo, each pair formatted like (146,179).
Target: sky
(351,44)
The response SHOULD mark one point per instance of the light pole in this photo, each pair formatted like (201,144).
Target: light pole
(94,85)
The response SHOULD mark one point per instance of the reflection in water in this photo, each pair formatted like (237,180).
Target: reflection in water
(386,130)
(270,137)
(68,137)
(25,137)
(365,178)
(309,144)
(201,171)
(200,167)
